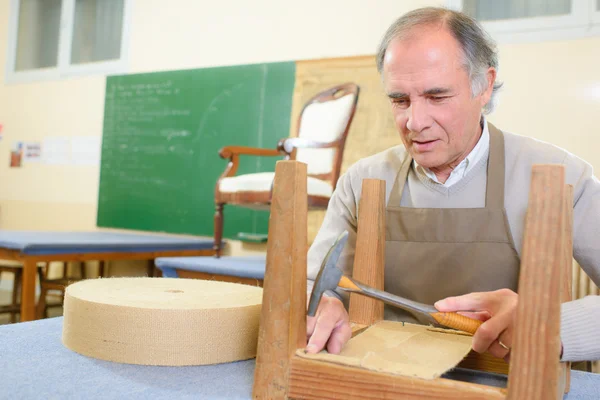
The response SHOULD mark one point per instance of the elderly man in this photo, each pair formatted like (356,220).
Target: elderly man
(456,192)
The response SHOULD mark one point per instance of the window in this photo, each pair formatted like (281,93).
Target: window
(534,20)
(52,39)
(497,10)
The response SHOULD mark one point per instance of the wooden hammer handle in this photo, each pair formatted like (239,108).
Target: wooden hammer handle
(457,321)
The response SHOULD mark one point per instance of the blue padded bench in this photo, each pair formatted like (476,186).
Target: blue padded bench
(248,269)
(52,243)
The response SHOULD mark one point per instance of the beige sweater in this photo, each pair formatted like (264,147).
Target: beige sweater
(580,319)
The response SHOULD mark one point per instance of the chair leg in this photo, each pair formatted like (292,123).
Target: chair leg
(82,273)
(101,269)
(15,294)
(218,229)
(41,309)
(41,305)
(151,268)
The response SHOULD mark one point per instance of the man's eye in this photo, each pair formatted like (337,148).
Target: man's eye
(438,98)
(400,102)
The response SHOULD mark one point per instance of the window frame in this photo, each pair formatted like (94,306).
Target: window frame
(64,69)
(595,14)
(583,21)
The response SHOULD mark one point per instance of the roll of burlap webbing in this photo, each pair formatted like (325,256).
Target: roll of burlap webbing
(162,321)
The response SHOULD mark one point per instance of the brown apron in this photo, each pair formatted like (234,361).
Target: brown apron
(433,253)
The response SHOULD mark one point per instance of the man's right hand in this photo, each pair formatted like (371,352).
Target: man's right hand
(330,326)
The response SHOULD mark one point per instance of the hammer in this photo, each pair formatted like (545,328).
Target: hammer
(330,277)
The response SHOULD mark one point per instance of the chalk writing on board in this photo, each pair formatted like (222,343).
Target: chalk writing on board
(161,136)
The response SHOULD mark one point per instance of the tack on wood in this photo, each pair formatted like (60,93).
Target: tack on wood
(536,341)
(283,318)
(369,259)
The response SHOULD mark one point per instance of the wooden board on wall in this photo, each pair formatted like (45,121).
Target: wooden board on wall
(372,129)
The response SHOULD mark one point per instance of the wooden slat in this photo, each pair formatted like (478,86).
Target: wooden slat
(312,379)
(567,269)
(484,362)
(536,342)
(28,291)
(576,273)
(369,258)
(283,317)
(584,283)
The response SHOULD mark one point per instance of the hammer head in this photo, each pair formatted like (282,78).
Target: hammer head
(329,275)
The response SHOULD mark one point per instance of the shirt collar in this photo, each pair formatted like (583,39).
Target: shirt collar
(461,170)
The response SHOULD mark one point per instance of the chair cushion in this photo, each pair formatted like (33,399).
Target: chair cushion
(323,122)
(262,182)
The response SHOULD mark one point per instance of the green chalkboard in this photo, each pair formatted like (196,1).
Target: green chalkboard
(161,137)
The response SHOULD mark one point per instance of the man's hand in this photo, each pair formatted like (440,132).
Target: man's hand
(497,309)
(329,326)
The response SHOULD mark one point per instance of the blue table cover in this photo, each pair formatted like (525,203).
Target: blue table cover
(46,243)
(35,365)
(244,267)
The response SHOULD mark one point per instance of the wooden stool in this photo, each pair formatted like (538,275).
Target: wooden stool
(535,370)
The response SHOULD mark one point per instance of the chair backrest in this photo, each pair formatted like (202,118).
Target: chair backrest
(326,118)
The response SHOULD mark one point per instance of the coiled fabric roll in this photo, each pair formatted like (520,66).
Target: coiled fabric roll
(162,321)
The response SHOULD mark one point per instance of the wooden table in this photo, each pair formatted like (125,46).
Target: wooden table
(29,248)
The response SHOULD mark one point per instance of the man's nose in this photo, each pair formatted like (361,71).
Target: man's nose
(418,117)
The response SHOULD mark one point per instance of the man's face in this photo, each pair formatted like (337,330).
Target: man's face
(430,92)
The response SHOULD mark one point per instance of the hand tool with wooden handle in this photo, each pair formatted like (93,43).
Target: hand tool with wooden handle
(435,317)
(330,277)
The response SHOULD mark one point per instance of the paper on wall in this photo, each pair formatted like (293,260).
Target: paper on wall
(85,150)
(32,152)
(56,151)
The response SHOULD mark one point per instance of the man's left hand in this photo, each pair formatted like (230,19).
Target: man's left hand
(497,309)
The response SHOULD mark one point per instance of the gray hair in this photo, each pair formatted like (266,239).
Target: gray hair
(479,49)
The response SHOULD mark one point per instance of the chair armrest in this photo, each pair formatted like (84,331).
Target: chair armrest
(233,154)
(231,151)
(288,145)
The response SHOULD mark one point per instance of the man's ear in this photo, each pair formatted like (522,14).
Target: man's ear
(486,95)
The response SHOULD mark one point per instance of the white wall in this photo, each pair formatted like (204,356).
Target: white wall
(177,34)
(552,89)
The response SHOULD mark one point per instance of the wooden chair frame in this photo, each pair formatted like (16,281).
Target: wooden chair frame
(287,149)
(15,307)
(535,370)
